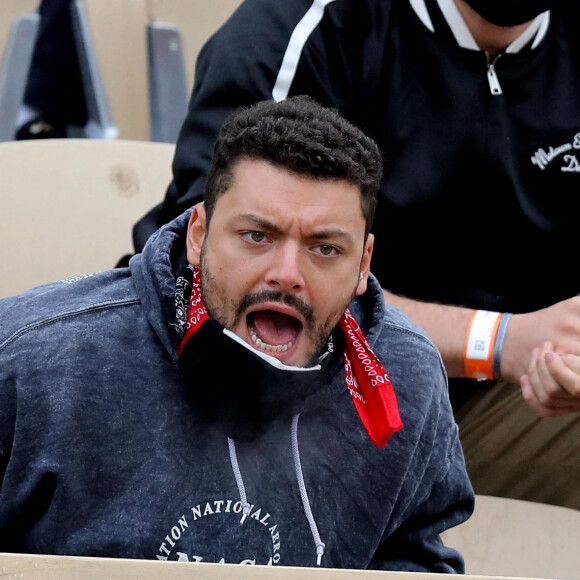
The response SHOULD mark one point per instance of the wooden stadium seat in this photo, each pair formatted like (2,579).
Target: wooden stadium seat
(67,206)
(41,567)
(18,30)
(508,537)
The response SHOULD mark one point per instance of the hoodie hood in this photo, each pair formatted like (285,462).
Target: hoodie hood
(157,479)
(244,395)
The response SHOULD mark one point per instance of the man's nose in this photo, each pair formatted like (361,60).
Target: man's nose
(285,271)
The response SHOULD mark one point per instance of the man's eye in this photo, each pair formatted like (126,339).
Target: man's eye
(327,250)
(255,237)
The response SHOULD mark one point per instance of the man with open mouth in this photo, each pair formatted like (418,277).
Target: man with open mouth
(241,393)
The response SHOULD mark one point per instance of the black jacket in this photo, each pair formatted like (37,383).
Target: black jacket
(479,198)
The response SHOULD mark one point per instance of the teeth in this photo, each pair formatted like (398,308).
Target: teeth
(270,347)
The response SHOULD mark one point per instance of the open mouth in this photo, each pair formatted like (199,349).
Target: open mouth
(273,331)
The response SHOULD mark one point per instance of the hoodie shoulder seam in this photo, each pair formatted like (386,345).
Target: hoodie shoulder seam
(406,330)
(425,340)
(65,315)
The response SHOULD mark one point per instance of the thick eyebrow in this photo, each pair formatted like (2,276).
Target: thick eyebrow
(264,224)
(333,234)
(259,222)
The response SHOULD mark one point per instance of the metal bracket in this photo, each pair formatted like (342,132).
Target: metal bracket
(168,94)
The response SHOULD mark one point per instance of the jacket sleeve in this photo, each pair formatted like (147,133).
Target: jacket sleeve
(239,66)
(416,545)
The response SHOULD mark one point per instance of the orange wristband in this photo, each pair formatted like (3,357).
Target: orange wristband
(479,342)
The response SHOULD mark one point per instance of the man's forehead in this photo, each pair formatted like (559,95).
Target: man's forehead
(265,189)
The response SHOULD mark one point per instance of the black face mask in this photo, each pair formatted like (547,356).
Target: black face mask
(510,12)
(239,391)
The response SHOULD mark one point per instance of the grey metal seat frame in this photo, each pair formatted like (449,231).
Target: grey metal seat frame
(14,71)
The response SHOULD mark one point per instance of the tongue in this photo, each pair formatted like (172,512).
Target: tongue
(275,328)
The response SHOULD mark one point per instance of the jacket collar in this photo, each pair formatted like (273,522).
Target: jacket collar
(532,36)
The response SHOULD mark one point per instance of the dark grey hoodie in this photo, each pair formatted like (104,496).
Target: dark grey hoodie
(103,452)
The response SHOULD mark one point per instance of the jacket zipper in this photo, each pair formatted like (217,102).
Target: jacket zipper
(492,79)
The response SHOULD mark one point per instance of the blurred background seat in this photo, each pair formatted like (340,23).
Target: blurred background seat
(18,29)
(111,39)
(138,61)
(67,206)
(509,537)
(176,33)
(136,58)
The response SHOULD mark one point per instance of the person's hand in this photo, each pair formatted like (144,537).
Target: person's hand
(552,384)
(559,324)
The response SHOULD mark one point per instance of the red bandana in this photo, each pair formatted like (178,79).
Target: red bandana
(366,378)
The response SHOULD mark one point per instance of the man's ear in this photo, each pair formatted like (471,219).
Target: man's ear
(365,265)
(196,234)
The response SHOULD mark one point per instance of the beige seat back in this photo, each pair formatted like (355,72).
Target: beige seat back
(508,537)
(67,206)
(41,567)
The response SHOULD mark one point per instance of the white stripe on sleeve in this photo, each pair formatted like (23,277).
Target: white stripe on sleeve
(298,39)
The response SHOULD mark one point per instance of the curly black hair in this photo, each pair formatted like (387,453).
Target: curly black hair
(302,136)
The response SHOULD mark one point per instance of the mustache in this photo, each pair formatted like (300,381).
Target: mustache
(291,300)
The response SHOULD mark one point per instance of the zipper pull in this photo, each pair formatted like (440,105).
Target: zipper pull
(492,79)
(494,85)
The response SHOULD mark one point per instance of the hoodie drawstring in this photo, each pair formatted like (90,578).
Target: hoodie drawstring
(301,485)
(239,481)
(246,507)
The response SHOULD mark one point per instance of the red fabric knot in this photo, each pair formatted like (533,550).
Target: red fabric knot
(369,385)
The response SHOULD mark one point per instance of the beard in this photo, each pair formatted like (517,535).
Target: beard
(229,312)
